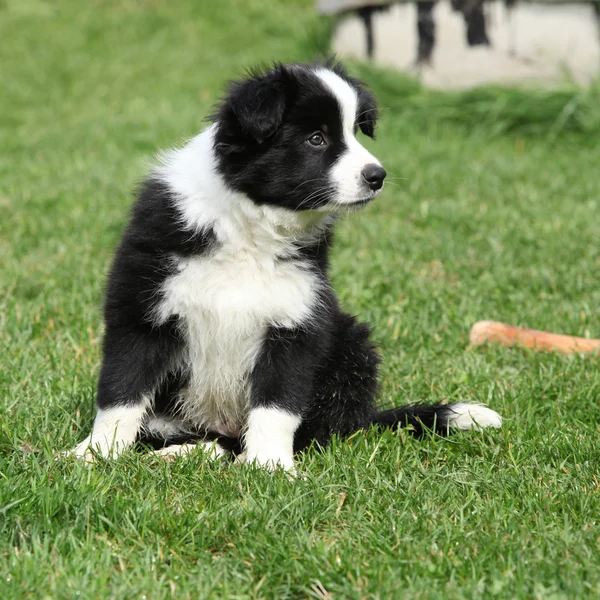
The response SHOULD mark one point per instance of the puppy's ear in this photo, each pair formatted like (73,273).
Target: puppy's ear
(367,112)
(254,109)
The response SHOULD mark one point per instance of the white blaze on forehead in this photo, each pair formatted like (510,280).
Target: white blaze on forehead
(345,95)
(345,174)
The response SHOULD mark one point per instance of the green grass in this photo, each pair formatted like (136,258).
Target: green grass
(491,212)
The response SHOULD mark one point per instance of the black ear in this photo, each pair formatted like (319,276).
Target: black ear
(366,113)
(254,109)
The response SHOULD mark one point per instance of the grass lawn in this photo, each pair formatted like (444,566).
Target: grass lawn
(492,212)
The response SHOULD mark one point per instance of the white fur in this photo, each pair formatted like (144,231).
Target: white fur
(165,427)
(205,200)
(114,431)
(269,439)
(227,300)
(346,174)
(473,416)
(212,449)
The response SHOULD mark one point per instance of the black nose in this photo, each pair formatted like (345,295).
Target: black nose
(373,176)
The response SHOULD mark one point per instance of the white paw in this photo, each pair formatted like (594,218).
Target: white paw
(211,449)
(473,416)
(90,450)
(115,429)
(269,439)
(82,451)
(269,462)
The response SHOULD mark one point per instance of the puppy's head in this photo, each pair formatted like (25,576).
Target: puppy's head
(288,138)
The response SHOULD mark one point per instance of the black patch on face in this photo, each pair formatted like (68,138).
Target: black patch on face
(263,131)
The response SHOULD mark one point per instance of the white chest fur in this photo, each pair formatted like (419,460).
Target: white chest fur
(225,303)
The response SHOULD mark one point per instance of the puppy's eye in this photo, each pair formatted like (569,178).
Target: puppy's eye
(317,139)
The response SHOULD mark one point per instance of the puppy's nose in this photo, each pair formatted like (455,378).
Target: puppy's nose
(373,175)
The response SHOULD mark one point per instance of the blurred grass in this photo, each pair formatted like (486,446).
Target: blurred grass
(490,211)
(527,111)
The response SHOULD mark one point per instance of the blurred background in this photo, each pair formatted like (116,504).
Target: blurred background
(462,43)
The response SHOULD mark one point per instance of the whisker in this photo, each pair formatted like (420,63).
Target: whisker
(305,182)
(316,195)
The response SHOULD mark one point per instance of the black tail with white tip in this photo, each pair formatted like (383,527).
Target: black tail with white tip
(439,418)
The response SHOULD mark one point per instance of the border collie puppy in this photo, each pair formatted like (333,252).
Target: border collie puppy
(222,327)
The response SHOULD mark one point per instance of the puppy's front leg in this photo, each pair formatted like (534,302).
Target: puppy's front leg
(136,359)
(115,429)
(281,387)
(269,439)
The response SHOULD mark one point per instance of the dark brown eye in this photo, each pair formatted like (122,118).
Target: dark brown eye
(317,139)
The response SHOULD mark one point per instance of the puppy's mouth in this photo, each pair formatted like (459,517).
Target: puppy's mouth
(360,202)
(352,207)
(355,205)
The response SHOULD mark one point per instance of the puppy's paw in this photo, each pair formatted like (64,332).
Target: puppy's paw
(89,451)
(82,451)
(212,450)
(270,463)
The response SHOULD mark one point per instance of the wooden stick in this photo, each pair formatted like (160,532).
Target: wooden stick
(508,335)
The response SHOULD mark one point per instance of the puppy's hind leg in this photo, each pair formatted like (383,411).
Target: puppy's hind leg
(172,437)
(212,450)
(345,387)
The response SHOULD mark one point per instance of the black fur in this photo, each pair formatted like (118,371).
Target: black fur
(138,355)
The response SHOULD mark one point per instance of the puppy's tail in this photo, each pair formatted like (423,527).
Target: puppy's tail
(439,418)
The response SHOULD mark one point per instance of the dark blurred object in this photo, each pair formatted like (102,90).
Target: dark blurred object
(426,31)
(366,14)
(472,11)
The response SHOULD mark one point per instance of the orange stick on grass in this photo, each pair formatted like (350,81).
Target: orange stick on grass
(508,335)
